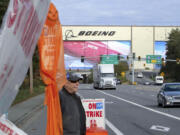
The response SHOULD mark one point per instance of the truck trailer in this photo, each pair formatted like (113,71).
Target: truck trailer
(103,76)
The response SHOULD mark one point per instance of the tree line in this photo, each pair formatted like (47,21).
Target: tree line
(172,68)
(3,8)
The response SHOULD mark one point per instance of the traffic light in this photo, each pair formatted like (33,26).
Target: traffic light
(163,61)
(178,61)
(100,58)
(82,58)
(127,57)
(119,56)
(139,58)
(134,55)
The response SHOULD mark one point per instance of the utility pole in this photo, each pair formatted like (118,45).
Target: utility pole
(133,56)
(132,71)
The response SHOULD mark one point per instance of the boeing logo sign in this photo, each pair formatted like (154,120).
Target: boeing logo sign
(96,33)
(69,33)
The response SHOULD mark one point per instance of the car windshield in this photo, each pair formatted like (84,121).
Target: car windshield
(107,75)
(159,79)
(172,87)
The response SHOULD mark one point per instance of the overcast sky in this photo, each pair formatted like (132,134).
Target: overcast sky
(119,12)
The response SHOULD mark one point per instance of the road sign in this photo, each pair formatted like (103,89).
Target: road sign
(109,59)
(95,111)
(162,74)
(123,74)
(153,59)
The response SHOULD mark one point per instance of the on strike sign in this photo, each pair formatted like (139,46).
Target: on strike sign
(95,111)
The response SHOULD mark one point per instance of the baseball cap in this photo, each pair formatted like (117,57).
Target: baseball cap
(73,77)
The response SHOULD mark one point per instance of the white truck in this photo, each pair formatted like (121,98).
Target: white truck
(103,76)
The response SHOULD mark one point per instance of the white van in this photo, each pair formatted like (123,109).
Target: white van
(159,79)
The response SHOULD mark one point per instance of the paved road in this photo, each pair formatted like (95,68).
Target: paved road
(130,110)
(146,77)
(133,110)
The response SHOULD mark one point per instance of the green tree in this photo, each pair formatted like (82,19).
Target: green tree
(90,77)
(3,8)
(121,67)
(172,69)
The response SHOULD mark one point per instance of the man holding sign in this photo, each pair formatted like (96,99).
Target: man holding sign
(73,114)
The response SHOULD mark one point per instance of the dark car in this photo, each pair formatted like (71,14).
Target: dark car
(118,81)
(130,72)
(169,94)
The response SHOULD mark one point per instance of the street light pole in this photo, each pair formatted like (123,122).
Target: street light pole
(133,56)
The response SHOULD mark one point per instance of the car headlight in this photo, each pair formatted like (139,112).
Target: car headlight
(169,97)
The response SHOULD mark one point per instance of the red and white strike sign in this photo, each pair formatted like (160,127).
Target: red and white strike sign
(8,128)
(95,111)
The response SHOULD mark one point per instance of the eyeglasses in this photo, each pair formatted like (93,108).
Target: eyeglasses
(74,81)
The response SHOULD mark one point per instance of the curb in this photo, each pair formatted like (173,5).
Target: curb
(19,122)
(20,113)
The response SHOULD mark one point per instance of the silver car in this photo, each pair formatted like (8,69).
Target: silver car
(140,75)
(169,94)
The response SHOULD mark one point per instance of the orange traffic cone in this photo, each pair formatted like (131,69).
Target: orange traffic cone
(94,130)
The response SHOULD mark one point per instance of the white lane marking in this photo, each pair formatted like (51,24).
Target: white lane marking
(109,102)
(160,128)
(114,129)
(153,95)
(80,95)
(141,106)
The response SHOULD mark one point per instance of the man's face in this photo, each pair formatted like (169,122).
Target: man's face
(72,87)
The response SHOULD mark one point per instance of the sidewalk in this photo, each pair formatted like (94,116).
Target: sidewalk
(21,112)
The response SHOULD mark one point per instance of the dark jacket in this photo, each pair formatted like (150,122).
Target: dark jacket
(74,118)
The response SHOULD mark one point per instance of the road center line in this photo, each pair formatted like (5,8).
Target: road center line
(114,129)
(141,106)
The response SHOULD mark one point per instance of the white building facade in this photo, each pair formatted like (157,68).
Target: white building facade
(141,38)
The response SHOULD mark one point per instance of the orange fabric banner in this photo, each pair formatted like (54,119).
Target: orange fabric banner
(52,69)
